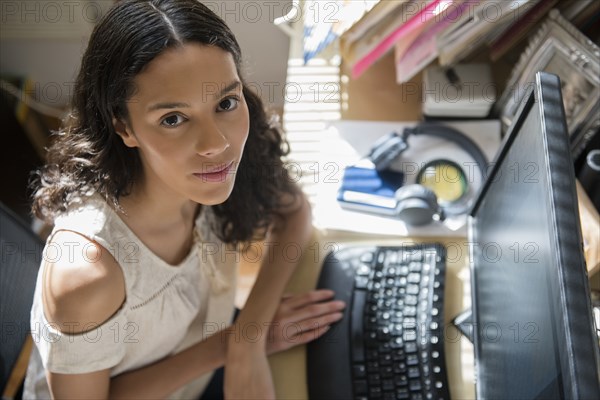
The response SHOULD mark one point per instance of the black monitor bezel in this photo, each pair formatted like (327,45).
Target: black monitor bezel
(579,356)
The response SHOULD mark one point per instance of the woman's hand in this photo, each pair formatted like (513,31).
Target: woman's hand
(299,319)
(302,318)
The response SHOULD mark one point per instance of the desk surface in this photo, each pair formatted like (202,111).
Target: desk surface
(346,142)
(289,368)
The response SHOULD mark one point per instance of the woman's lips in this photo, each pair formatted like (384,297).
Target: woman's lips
(218,174)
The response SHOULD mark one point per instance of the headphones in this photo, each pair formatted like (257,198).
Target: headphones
(417,204)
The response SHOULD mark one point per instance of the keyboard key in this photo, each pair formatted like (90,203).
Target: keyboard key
(363,270)
(412,359)
(410,335)
(389,396)
(360,387)
(398,355)
(401,282)
(412,289)
(415,267)
(411,347)
(360,371)
(371,340)
(397,343)
(372,355)
(417,255)
(387,372)
(416,396)
(413,372)
(374,380)
(414,385)
(384,348)
(410,300)
(402,394)
(385,359)
(400,368)
(392,257)
(372,367)
(381,258)
(367,258)
(401,381)
(383,336)
(375,393)
(388,385)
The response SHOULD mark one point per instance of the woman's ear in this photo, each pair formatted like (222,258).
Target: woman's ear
(125,132)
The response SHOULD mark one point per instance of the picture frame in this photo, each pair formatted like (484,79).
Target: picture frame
(559,48)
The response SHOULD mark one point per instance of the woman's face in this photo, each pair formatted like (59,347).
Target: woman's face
(189,120)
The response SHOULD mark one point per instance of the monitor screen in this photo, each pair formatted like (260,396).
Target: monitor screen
(531,303)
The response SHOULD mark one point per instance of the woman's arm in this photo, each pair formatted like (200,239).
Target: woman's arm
(156,380)
(77,292)
(247,373)
(277,266)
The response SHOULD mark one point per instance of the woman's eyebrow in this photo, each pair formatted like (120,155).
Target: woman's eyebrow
(169,105)
(233,85)
(159,106)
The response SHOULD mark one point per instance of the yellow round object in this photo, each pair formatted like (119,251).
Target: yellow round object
(445,178)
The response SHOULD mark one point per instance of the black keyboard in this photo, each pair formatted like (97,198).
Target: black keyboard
(389,344)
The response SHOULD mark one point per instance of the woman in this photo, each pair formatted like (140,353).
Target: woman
(166,165)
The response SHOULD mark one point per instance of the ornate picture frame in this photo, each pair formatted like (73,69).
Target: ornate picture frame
(559,48)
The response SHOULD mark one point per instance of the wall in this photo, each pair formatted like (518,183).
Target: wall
(44,40)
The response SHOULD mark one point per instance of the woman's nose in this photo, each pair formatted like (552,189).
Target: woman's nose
(211,141)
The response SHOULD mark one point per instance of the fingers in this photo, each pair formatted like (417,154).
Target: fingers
(307,331)
(313,323)
(312,311)
(314,296)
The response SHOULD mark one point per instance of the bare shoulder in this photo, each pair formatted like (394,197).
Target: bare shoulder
(83,284)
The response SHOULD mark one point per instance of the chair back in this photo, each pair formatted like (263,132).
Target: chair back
(20,257)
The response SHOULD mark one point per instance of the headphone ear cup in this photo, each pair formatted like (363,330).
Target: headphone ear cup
(416,204)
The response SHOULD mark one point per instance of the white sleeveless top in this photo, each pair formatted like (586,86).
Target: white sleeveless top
(167,308)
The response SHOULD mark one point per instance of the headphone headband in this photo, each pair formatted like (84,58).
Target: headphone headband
(389,147)
(453,135)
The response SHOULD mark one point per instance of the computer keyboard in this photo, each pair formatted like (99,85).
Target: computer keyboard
(392,333)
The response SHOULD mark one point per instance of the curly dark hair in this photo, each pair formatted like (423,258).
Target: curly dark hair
(88,156)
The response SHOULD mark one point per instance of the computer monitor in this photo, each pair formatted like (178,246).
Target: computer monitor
(534,333)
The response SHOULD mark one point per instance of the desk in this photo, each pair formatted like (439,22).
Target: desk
(344,143)
(289,367)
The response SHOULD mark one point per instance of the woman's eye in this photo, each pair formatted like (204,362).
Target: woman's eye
(172,120)
(229,104)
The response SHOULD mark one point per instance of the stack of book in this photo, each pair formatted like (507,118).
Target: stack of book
(368,190)
(420,31)
(386,24)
